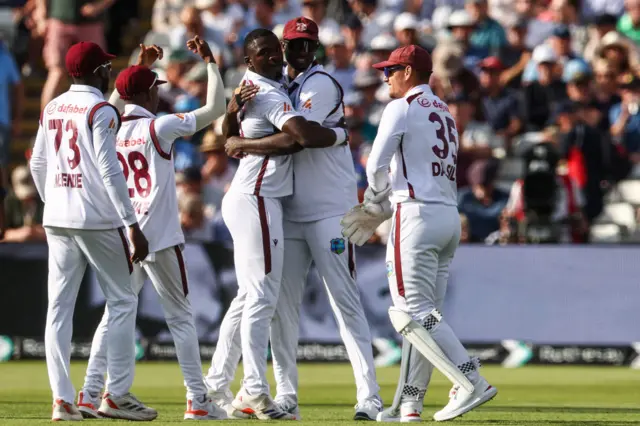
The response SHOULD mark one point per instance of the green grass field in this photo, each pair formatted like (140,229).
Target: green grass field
(527,396)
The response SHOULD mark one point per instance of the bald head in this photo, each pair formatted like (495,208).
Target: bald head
(190,18)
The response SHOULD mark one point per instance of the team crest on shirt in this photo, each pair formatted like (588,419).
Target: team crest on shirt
(51,108)
(389,269)
(424,102)
(338,245)
(307,104)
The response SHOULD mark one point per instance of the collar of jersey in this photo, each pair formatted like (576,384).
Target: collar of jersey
(255,77)
(424,88)
(300,77)
(131,109)
(85,88)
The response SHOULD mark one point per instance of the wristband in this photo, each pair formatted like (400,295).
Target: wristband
(342,135)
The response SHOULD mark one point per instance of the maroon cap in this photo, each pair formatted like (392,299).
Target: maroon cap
(412,55)
(135,80)
(84,58)
(491,63)
(300,28)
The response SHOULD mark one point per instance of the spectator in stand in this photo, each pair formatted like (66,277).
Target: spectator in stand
(286,10)
(11,106)
(166,14)
(488,34)
(69,22)
(594,8)
(476,140)
(602,24)
(366,82)
(23,209)
(625,117)
(179,63)
(217,171)
(450,77)
(406,27)
(515,55)
(629,23)
(501,106)
(482,203)
(192,26)
(605,90)
(214,15)
(588,155)
(339,66)
(462,26)
(352,32)
(542,95)
(370,17)
(195,226)
(578,77)
(621,54)
(316,10)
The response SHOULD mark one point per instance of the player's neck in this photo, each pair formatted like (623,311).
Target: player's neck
(292,73)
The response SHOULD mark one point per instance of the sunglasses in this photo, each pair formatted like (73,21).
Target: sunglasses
(300,45)
(388,71)
(106,65)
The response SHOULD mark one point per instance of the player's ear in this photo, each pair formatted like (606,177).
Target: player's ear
(407,71)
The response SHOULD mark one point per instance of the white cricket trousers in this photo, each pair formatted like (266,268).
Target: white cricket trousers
(166,270)
(70,251)
(322,242)
(255,224)
(422,243)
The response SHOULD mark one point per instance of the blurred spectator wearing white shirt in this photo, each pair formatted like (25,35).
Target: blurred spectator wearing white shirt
(192,25)
(316,10)
(339,66)
(166,14)
(217,172)
(213,14)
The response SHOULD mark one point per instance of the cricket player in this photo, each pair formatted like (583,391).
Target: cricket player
(252,211)
(324,190)
(144,146)
(87,206)
(413,160)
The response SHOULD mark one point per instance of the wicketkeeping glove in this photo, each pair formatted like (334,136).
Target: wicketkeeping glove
(359,224)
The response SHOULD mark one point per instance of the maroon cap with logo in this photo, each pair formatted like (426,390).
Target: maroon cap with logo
(414,56)
(300,28)
(135,80)
(85,58)
(491,63)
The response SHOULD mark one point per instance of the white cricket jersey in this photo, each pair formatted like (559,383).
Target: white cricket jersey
(417,142)
(324,180)
(264,175)
(145,146)
(74,163)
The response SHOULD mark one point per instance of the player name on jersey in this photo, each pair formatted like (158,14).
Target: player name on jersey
(68,180)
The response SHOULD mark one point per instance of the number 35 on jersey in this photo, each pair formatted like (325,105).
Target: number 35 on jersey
(446,134)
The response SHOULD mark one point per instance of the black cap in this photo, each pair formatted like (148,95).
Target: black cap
(353,22)
(192,175)
(561,31)
(605,19)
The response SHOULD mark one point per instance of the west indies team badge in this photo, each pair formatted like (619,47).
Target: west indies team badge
(337,245)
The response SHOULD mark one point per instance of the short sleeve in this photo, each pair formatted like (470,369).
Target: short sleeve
(277,108)
(319,97)
(170,127)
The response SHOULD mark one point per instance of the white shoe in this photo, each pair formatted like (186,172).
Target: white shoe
(289,404)
(261,406)
(461,401)
(204,410)
(223,400)
(88,404)
(65,411)
(126,407)
(408,412)
(368,409)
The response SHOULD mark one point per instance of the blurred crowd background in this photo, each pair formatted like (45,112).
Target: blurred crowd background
(545,95)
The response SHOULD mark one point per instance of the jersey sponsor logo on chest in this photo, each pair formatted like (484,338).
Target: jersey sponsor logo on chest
(126,143)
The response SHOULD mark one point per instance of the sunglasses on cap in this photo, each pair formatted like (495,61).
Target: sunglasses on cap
(388,71)
(106,65)
(300,45)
